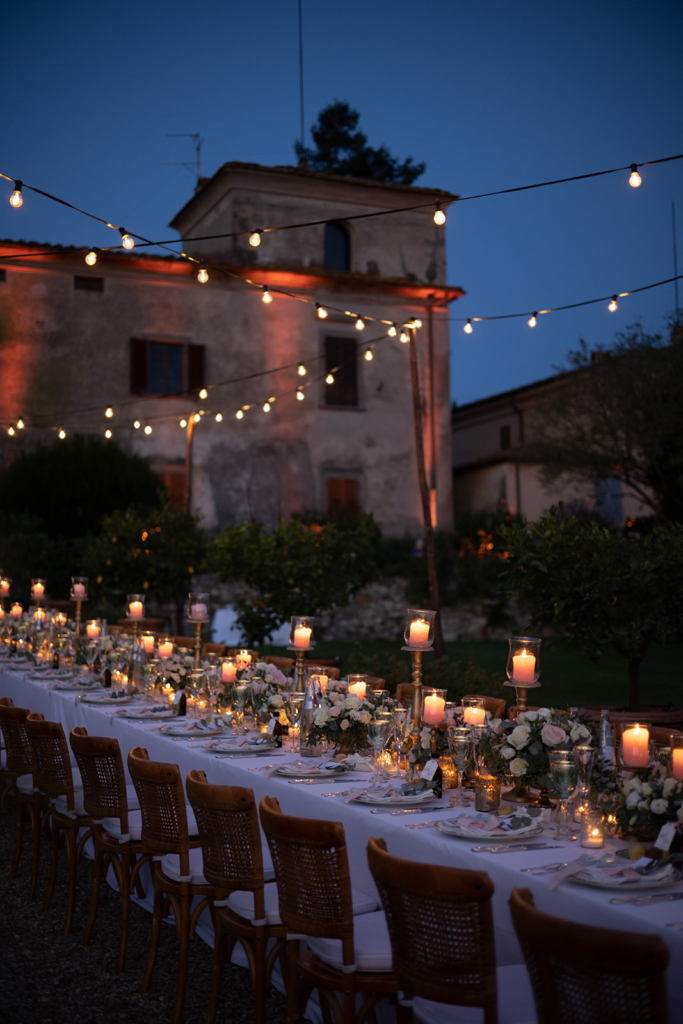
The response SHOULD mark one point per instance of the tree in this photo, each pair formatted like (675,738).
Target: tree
(342,149)
(595,588)
(26,553)
(72,484)
(620,414)
(157,551)
(304,566)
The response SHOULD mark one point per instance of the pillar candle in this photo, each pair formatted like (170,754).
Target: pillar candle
(677,763)
(243,659)
(148,642)
(79,591)
(39,615)
(2,614)
(17,611)
(635,747)
(523,667)
(93,630)
(358,690)
(198,612)
(229,672)
(419,633)
(474,716)
(322,683)
(135,608)
(302,636)
(166,649)
(4,587)
(433,710)
(37,590)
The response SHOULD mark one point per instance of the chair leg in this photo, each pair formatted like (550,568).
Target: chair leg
(21,813)
(98,870)
(292,985)
(259,978)
(184,899)
(34,815)
(70,837)
(156,934)
(124,887)
(217,971)
(54,854)
(5,792)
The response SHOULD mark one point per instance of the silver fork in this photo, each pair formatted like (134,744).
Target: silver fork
(541,869)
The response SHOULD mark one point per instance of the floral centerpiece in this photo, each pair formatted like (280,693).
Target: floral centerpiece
(266,682)
(341,719)
(642,805)
(520,748)
(178,668)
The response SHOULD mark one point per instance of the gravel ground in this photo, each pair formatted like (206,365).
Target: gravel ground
(53,979)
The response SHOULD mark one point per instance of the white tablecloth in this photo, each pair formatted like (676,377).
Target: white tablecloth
(576,903)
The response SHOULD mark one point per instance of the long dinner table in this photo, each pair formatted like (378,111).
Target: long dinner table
(424,845)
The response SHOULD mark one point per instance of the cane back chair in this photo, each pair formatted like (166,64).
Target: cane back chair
(19,768)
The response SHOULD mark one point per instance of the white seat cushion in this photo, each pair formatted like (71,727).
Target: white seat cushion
(242,903)
(268,869)
(515,1003)
(112,826)
(25,785)
(170,865)
(371,945)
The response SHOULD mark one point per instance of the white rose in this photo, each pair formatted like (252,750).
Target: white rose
(351,703)
(518,766)
(659,806)
(631,786)
(679,813)
(669,788)
(365,717)
(262,666)
(519,737)
(633,799)
(578,733)
(544,713)
(507,752)
(276,701)
(643,805)
(322,717)
(355,715)
(527,716)
(494,724)
(647,789)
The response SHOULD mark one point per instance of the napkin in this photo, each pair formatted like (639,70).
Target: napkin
(353,794)
(603,872)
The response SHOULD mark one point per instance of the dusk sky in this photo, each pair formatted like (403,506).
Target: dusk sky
(490,95)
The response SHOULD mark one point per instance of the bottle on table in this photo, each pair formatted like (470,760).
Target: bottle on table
(180,702)
(275,729)
(106,678)
(55,659)
(606,738)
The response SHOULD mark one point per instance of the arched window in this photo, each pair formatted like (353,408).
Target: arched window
(337,248)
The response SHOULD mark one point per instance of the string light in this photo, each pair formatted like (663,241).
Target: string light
(392,331)
(532,320)
(468,327)
(300,395)
(329,379)
(404,337)
(16,199)
(10,431)
(255,238)
(148,429)
(62,433)
(613,305)
(417,323)
(203,394)
(126,241)
(360,324)
(197,417)
(20,424)
(266,297)
(634,179)
(109,412)
(107,434)
(183,423)
(219,417)
(322,312)
(368,355)
(266,407)
(439,215)
(91,258)
(301,370)
(202,274)
(136,424)
(239,414)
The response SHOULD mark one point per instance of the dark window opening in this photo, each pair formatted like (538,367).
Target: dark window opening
(3,275)
(89,284)
(505,441)
(165,368)
(337,248)
(341,362)
(343,495)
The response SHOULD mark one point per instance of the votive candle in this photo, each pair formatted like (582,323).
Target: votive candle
(635,747)
(79,591)
(473,716)
(166,649)
(229,672)
(434,707)
(198,612)
(243,659)
(135,608)
(148,642)
(92,629)
(358,689)
(419,633)
(523,667)
(592,831)
(302,636)
(37,590)
(17,611)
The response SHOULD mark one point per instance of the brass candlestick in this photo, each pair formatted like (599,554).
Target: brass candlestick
(197,646)
(299,668)
(416,710)
(521,693)
(79,602)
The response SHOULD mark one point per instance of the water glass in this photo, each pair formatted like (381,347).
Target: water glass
(459,747)
(565,772)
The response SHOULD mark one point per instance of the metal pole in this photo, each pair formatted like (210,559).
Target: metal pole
(673,226)
(188,464)
(301,77)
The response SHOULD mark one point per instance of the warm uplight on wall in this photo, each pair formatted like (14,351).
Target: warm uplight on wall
(392,331)
(126,241)
(109,412)
(239,414)
(439,215)
(107,434)
(360,324)
(219,417)
(91,258)
(183,423)
(300,396)
(136,424)
(635,179)
(468,327)
(613,305)
(322,312)
(62,433)
(329,379)
(16,199)
(532,321)
(255,238)
(202,274)
(368,355)
(203,394)
(301,370)
(148,429)
(266,297)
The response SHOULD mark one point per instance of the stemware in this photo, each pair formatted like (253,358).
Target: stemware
(378,732)
(565,770)
(459,747)
(294,708)
(240,693)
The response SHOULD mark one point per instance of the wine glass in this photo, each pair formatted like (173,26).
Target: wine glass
(565,770)
(240,693)
(378,732)
(459,747)
(295,706)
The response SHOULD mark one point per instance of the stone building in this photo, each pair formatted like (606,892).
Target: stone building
(139,333)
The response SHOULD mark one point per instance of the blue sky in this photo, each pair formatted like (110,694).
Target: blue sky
(489,95)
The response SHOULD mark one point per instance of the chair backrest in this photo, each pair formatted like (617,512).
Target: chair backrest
(582,973)
(227,821)
(278,661)
(144,625)
(494,705)
(160,793)
(441,928)
(53,775)
(6,702)
(20,756)
(404,693)
(312,875)
(186,642)
(218,649)
(513,711)
(104,782)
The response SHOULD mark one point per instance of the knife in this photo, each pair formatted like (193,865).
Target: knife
(407,810)
(513,849)
(645,901)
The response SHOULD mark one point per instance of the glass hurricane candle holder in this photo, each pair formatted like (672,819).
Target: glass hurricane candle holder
(524,660)
(473,711)
(357,685)
(243,660)
(433,707)
(198,607)
(38,589)
(148,643)
(135,606)
(419,631)
(486,793)
(301,632)
(228,670)
(93,629)
(635,746)
(38,617)
(317,675)
(5,583)
(592,830)
(16,610)
(79,588)
(165,648)
(677,756)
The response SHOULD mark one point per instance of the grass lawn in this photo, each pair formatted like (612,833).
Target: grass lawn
(567,678)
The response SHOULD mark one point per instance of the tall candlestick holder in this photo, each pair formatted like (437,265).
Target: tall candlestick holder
(523,668)
(135,611)
(300,635)
(198,614)
(78,594)
(418,635)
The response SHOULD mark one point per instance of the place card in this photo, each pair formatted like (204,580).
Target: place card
(429,770)
(271,727)
(665,837)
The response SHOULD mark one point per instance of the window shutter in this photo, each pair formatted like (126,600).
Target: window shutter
(138,366)
(195,367)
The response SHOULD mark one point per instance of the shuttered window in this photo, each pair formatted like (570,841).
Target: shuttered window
(165,368)
(341,362)
(343,495)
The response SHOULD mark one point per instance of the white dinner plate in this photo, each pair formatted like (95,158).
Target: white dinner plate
(187,730)
(147,716)
(298,771)
(645,883)
(425,797)
(106,699)
(234,746)
(451,827)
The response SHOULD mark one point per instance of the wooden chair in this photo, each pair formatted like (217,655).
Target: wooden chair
(582,973)
(144,625)
(54,778)
(317,902)
(116,835)
(19,768)
(247,908)
(186,642)
(278,661)
(218,649)
(333,661)
(6,779)
(177,877)
(440,922)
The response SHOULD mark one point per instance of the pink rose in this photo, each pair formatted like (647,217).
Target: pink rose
(345,724)
(552,735)
(450,723)
(334,712)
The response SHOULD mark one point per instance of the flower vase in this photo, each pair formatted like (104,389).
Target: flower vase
(519,794)
(349,743)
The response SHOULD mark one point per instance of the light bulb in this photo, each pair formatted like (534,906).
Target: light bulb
(368,355)
(532,320)
(302,370)
(266,297)
(91,258)
(392,331)
(417,323)
(107,434)
(255,239)
(404,337)
(16,199)
(322,312)
(10,431)
(183,423)
(197,417)
(109,412)
(300,396)
(20,424)
(62,434)
(439,215)
(136,424)
(203,394)
(634,179)
(468,327)
(613,305)
(126,241)
(329,379)
(239,414)
(360,324)
(219,417)
(266,407)
(202,274)
(148,429)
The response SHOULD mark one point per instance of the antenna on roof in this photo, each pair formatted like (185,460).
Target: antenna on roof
(194,167)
